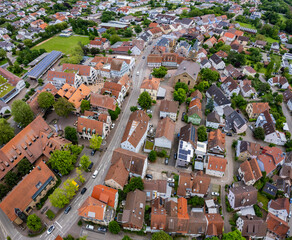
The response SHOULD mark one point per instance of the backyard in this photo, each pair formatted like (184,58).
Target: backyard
(62,44)
(264,200)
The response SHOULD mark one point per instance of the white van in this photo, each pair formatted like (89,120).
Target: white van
(90,227)
(138,73)
(95,174)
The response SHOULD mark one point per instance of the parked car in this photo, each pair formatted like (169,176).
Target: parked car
(138,73)
(83,190)
(175,156)
(90,166)
(93,152)
(238,177)
(229,134)
(113,125)
(90,227)
(171,184)
(143,57)
(149,111)
(183,116)
(102,229)
(170,180)
(149,176)
(50,229)
(67,209)
(215,194)
(166,161)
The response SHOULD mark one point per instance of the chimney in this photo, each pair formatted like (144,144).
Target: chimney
(39,168)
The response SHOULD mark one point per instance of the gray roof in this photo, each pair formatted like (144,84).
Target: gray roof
(215,59)
(233,118)
(189,67)
(2,104)
(219,97)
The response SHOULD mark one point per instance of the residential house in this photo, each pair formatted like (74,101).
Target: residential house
(151,86)
(187,73)
(100,206)
(272,135)
(247,90)
(31,189)
(215,166)
(230,87)
(243,40)
(232,71)
(247,150)
(171,60)
(164,133)
(277,228)
(133,215)
(169,109)
(210,42)
(250,171)
(215,224)
(183,48)
(81,93)
(125,163)
(251,227)
(260,43)
(195,111)
(270,158)
(234,120)
(87,127)
(190,184)
(213,120)
(217,62)
(275,47)
(264,118)
(253,110)
(102,103)
(58,79)
(185,152)
(156,189)
(230,36)
(100,43)
(202,53)
(135,131)
(242,197)
(154,60)
(87,73)
(216,142)
(279,81)
(115,90)
(249,71)
(205,63)
(220,100)
(279,207)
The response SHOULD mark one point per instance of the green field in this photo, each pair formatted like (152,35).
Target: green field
(63,44)
(247,25)
(264,200)
(5,88)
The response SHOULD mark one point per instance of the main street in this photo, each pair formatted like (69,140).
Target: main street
(64,222)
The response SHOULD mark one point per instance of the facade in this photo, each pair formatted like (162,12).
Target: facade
(217,62)
(136,131)
(255,109)
(247,150)
(151,86)
(164,133)
(58,79)
(87,73)
(280,208)
(213,120)
(251,226)
(187,73)
(169,109)
(216,142)
(87,127)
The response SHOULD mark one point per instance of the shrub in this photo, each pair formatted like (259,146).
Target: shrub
(80,223)
(152,156)
(257,211)
(114,227)
(50,214)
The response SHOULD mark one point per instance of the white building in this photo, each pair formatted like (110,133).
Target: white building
(215,166)
(185,154)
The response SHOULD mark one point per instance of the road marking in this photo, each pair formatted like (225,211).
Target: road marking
(59,224)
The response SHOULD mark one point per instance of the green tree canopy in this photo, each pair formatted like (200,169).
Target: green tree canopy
(23,167)
(259,133)
(138,28)
(45,100)
(71,134)
(21,113)
(11,179)
(34,222)
(85,105)
(63,107)
(114,227)
(62,160)
(85,162)
(135,183)
(152,156)
(234,235)
(58,198)
(181,85)
(161,236)
(159,72)
(209,75)
(179,95)
(114,38)
(145,100)
(202,134)
(95,142)
(6,131)
(126,237)
(114,114)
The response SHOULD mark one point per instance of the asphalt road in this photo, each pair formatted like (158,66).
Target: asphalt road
(64,222)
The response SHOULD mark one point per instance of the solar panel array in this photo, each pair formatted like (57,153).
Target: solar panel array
(183,154)
(193,134)
(39,69)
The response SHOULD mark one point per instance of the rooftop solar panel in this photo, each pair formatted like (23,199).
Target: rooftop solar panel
(39,69)
(181,156)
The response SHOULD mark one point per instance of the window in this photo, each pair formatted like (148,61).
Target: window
(189,82)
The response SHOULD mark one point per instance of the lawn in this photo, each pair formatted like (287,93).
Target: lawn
(264,200)
(3,61)
(149,145)
(2,80)
(4,89)
(247,25)
(62,44)
(270,40)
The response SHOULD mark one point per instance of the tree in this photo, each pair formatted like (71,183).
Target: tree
(133,108)
(63,161)
(63,107)
(161,236)
(138,28)
(70,189)
(259,133)
(3,190)
(159,72)
(24,167)
(114,38)
(202,134)
(34,222)
(85,105)
(114,114)
(85,162)
(28,42)
(235,235)
(179,95)
(236,59)
(135,183)
(129,52)
(145,100)
(152,156)
(95,142)
(71,134)
(2,53)
(209,75)
(6,131)
(45,100)
(196,201)
(11,179)
(181,85)
(21,113)
(58,198)
(126,237)
(114,227)
(210,105)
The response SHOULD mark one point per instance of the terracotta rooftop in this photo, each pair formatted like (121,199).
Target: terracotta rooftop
(277,225)
(92,208)
(82,92)
(105,194)
(83,70)
(103,101)
(151,84)
(217,163)
(165,128)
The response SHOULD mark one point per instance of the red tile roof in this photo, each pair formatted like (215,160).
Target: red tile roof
(105,194)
